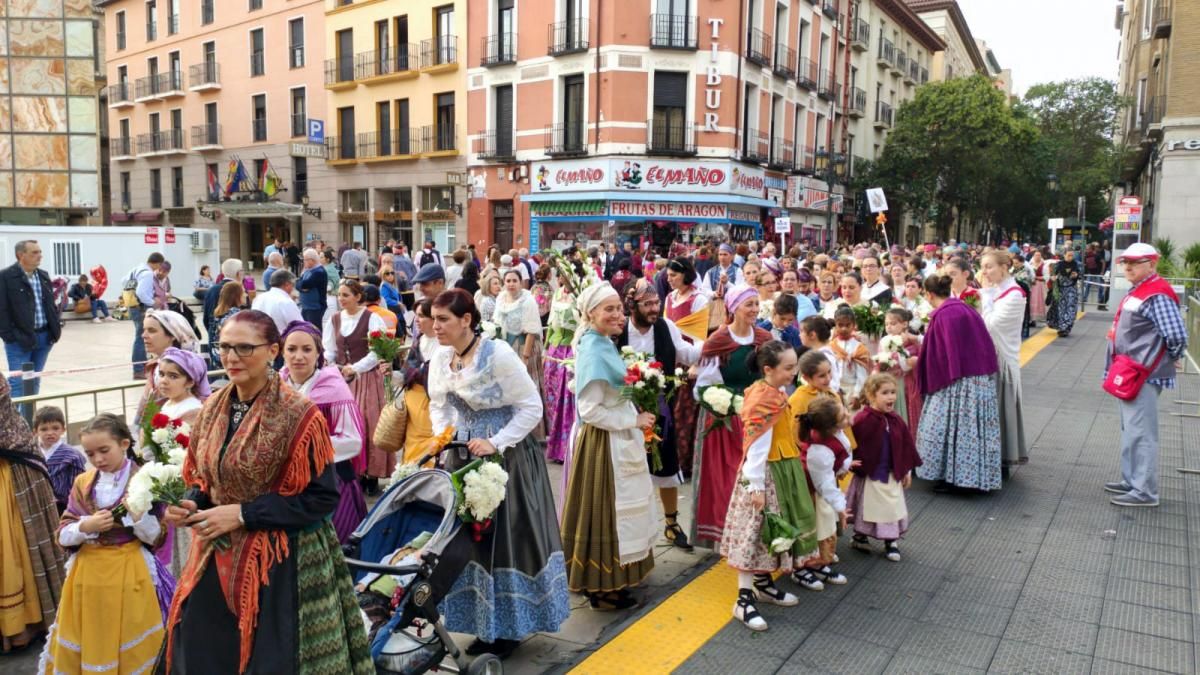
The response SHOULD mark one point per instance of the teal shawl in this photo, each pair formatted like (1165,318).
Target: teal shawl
(597,358)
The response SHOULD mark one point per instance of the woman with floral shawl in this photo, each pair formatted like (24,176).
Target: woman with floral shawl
(275,594)
(560,400)
(306,371)
(719,449)
(31,564)
(609,526)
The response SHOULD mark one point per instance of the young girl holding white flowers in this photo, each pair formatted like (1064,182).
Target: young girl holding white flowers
(898,357)
(116,594)
(770,501)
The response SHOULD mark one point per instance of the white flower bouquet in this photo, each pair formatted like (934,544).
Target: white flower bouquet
(481,486)
(489,329)
(401,472)
(891,352)
(722,403)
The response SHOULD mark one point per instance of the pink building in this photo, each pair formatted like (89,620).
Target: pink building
(194,85)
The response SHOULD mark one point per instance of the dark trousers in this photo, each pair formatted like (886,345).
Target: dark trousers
(314,316)
(18,355)
(138,314)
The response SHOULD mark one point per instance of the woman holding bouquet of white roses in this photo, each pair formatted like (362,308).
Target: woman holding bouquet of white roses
(515,583)
(609,526)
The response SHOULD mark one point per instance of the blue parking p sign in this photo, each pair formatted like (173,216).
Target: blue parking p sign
(316,131)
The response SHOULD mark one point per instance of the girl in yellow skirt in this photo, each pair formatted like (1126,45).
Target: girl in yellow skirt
(112,609)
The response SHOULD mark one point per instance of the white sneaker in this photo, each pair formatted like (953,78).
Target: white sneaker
(96,320)
(744,611)
(807,580)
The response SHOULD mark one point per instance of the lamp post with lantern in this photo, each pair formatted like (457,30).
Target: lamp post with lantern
(830,167)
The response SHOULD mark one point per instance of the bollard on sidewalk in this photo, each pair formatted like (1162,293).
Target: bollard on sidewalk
(28,377)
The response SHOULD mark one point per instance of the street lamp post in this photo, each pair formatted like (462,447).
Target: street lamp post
(828,166)
(1052,188)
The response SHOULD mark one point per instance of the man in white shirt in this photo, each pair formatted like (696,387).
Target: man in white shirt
(277,302)
(649,332)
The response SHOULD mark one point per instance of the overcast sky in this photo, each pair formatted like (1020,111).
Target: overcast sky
(1047,40)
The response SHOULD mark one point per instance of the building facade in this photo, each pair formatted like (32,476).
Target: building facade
(648,121)
(1160,129)
(1001,77)
(50,151)
(193,89)
(397,121)
(961,57)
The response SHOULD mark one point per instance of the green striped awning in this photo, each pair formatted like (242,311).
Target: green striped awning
(590,207)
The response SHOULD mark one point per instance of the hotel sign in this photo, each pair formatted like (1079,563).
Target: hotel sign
(310,150)
(649,175)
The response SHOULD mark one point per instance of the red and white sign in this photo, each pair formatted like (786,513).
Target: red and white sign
(668,210)
(151,235)
(169,235)
(811,194)
(649,175)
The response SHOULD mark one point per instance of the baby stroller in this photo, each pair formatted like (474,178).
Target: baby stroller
(412,639)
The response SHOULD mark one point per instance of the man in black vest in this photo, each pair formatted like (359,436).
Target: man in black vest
(648,332)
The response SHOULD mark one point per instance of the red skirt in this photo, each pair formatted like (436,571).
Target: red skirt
(912,401)
(714,472)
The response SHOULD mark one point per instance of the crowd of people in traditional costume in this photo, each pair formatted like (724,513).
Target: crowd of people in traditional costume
(846,374)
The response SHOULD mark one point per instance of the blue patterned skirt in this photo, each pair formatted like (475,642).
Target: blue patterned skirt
(959,434)
(515,582)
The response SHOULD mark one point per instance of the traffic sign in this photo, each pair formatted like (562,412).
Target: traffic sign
(316,131)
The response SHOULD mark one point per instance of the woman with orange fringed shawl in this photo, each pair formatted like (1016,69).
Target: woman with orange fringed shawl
(263,487)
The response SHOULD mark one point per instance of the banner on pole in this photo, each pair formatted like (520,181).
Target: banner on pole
(876,200)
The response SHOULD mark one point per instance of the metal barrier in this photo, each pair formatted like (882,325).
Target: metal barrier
(112,398)
(1191,318)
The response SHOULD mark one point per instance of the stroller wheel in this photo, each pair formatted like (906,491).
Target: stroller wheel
(486,664)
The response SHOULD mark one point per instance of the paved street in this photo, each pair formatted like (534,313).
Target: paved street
(1043,577)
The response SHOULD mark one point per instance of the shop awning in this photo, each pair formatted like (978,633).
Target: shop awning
(632,196)
(555,207)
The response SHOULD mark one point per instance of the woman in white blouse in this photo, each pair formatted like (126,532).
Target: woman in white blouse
(1004,313)
(515,583)
(345,340)
(521,323)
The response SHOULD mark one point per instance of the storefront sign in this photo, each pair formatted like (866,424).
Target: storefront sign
(811,194)
(311,150)
(668,210)
(650,175)
(775,182)
(749,215)
(712,80)
(1189,144)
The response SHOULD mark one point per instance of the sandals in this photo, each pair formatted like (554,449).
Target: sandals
(612,601)
(674,534)
(859,542)
(744,611)
(807,580)
(765,590)
(830,576)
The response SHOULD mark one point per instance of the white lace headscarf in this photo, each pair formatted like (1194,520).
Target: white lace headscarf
(589,299)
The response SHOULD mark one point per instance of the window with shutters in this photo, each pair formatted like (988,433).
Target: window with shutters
(404,134)
(670,109)
(573,112)
(67,258)
(504,121)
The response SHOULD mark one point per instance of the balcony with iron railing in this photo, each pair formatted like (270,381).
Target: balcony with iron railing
(1162,19)
(389,63)
(172,24)
(341,148)
(806,75)
(121,40)
(439,54)
(857,103)
(782,155)
(388,144)
(806,159)
(204,76)
(170,141)
(756,146)
(883,115)
(339,72)
(829,8)
(860,36)
(296,56)
(827,88)
(1152,116)
(146,88)
(119,95)
(924,75)
(495,146)
(673,31)
(901,63)
(785,61)
(673,138)
(258,130)
(567,37)
(913,76)
(299,125)
(758,47)
(566,139)
(151,31)
(498,50)
(206,137)
(439,139)
(258,63)
(887,53)
(120,148)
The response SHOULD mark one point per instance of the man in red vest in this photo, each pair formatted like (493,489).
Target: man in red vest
(1148,331)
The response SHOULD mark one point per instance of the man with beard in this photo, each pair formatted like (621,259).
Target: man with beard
(649,332)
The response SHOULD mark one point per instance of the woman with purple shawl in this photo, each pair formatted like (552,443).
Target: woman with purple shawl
(306,372)
(959,433)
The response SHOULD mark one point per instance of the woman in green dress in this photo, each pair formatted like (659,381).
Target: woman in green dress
(723,361)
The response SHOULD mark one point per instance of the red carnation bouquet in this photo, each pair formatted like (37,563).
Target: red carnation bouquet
(385,349)
(647,384)
(164,440)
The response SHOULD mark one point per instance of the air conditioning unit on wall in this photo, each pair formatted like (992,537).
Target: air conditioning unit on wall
(204,241)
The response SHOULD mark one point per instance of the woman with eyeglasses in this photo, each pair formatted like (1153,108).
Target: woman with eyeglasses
(515,583)
(346,342)
(262,484)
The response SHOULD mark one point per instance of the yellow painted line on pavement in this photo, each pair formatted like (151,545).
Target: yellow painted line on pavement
(669,634)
